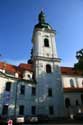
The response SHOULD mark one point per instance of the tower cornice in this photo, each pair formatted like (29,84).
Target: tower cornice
(45,30)
(47,59)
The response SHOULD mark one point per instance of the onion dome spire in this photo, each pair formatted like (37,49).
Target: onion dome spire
(41,17)
(42,22)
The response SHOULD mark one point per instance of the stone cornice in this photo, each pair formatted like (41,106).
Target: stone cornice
(69,90)
(46,59)
(45,30)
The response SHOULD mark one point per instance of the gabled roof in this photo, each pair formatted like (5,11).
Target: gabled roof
(22,67)
(12,69)
(8,67)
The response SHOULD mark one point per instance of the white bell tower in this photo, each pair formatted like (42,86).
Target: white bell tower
(46,69)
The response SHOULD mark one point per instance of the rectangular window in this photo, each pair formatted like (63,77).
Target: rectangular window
(33,91)
(33,110)
(21,110)
(82,98)
(8,86)
(5,110)
(49,91)
(46,42)
(51,110)
(22,89)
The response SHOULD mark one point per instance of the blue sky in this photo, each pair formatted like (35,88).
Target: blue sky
(17,20)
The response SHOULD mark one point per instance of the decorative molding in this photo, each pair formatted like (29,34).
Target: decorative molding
(46,59)
(72,90)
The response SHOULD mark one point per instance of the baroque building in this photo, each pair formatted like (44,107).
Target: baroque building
(42,86)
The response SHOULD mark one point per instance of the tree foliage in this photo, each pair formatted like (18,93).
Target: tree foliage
(79,64)
(30,60)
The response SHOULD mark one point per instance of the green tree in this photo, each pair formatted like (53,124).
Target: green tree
(30,60)
(79,64)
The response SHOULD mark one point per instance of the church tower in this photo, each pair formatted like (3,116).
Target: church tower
(46,69)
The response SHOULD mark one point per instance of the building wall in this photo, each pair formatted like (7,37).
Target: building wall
(41,100)
(7,97)
(38,41)
(77,81)
(73,93)
(43,55)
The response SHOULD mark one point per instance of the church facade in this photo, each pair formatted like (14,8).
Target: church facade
(41,87)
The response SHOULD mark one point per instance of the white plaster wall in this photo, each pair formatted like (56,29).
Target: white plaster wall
(11,101)
(47,80)
(38,46)
(27,99)
(77,81)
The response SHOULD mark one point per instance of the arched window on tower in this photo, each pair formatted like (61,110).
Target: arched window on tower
(67,102)
(72,83)
(48,68)
(46,42)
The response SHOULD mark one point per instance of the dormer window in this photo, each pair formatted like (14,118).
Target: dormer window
(28,76)
(46,42)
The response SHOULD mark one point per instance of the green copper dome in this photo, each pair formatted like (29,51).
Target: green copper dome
(41,21)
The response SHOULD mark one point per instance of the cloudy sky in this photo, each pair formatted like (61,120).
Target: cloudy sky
(17,20)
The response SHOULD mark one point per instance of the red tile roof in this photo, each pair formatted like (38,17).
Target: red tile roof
(12,69)
(71,71)
(22,67)
(8,67)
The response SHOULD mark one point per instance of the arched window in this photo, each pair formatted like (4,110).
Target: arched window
(67,102)
(48,68)
(72,83)
(46,42)
(77,103)
(8,86)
